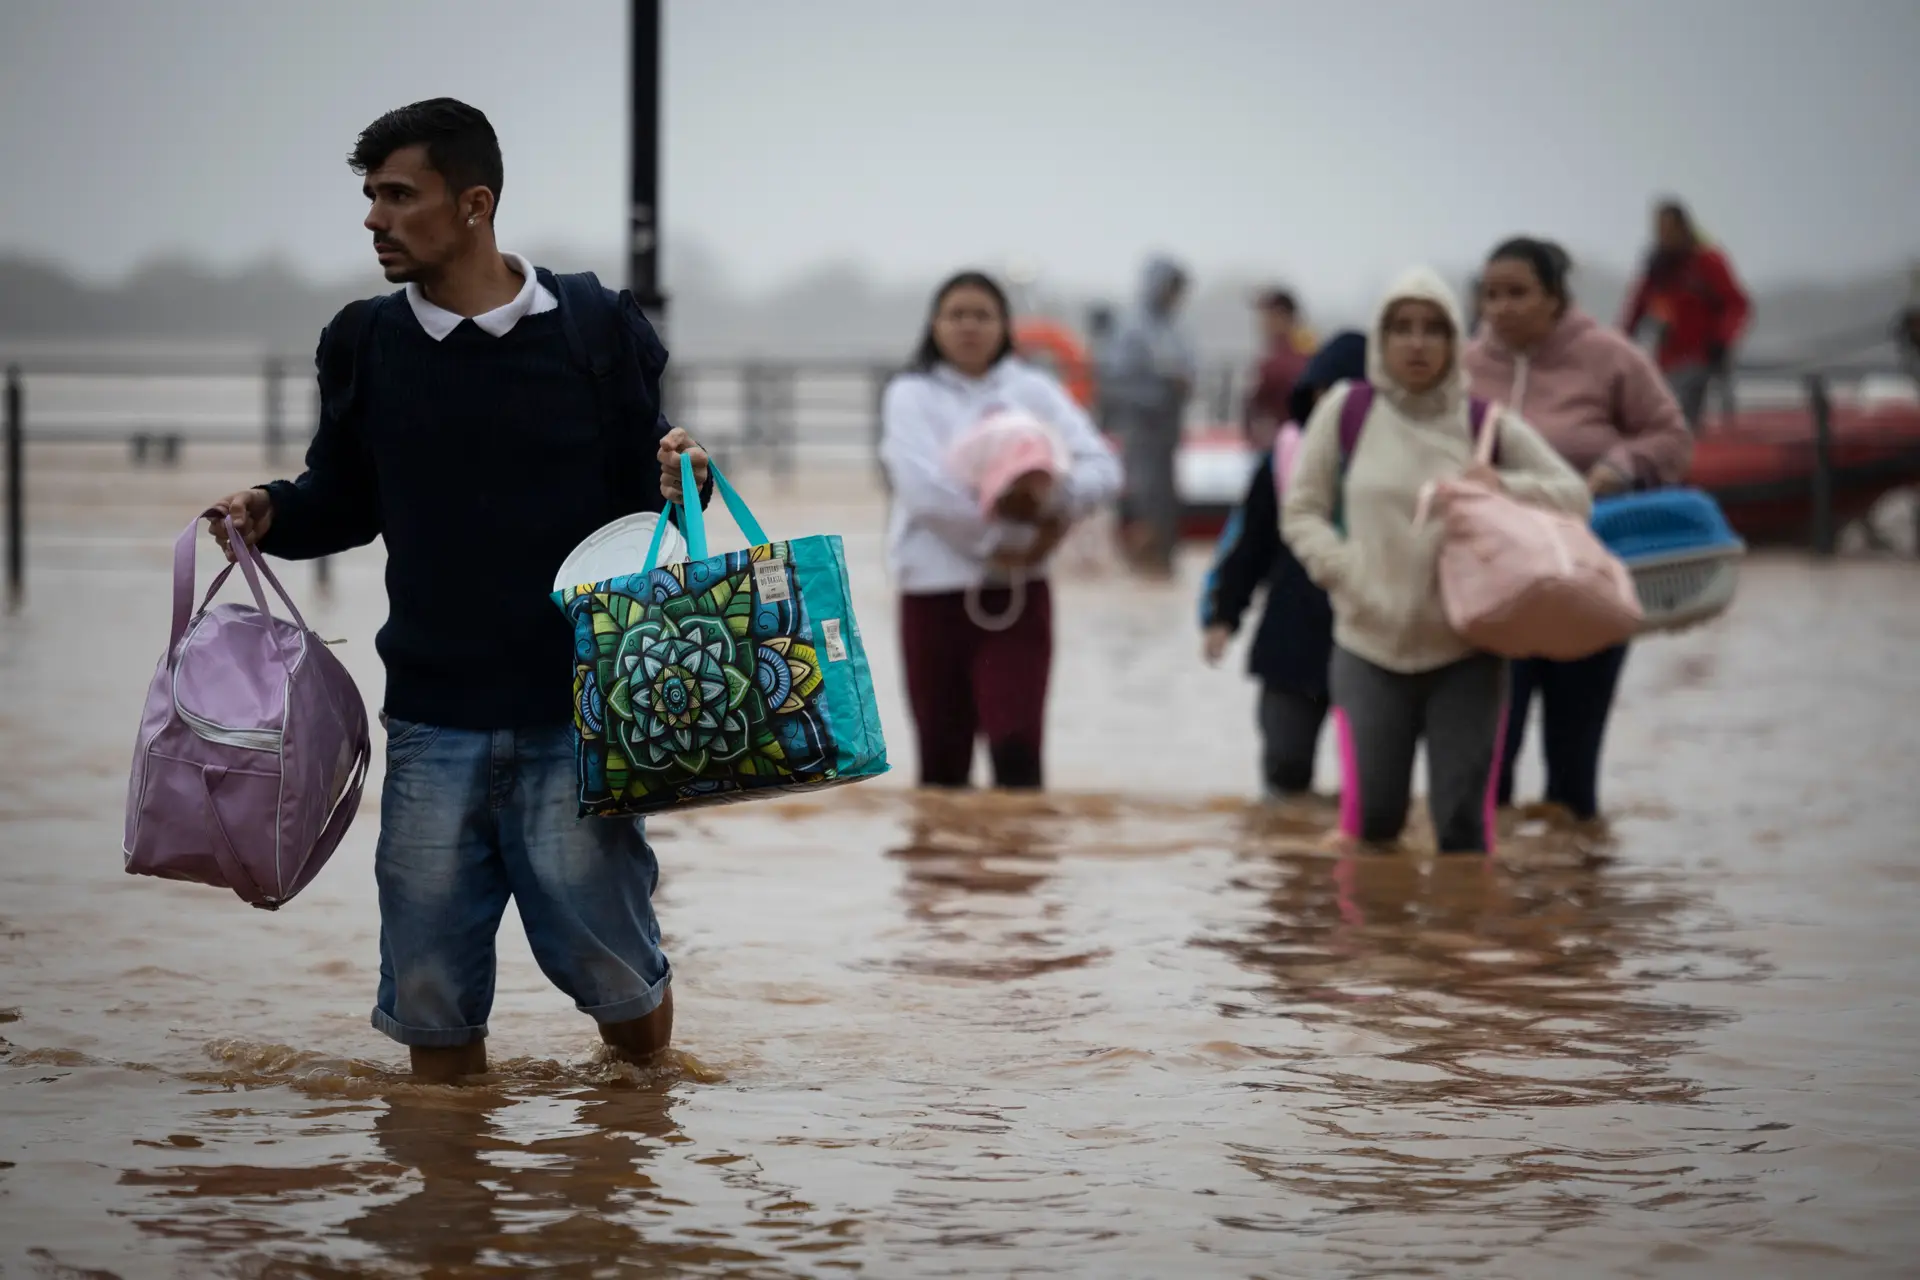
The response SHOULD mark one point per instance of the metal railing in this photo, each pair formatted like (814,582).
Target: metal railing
(16,488)
(158,404)
(752,414)
(1815,380)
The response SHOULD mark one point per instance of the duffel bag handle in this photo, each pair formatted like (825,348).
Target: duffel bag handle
(251,566)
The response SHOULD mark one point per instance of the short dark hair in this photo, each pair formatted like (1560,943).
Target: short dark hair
(461,146)
(1551,264)
(927,354)
(1906,328)
(1277,299)
(1673,207)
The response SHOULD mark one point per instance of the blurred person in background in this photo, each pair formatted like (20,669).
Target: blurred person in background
(1099,352)
(1601,403)
(1091,545)
(1294,642)
(1906,336)
(964,680)
(1400,674)
(1282,361)
(1147,382)
(1689,294)
(457,425)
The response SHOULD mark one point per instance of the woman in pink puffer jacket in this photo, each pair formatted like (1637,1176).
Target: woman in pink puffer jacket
(1602,403)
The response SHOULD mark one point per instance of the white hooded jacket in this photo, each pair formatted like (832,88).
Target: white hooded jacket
(1381,571)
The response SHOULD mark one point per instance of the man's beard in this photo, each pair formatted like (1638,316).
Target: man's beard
(406,269)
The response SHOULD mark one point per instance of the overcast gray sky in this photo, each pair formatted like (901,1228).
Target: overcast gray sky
(1328,142)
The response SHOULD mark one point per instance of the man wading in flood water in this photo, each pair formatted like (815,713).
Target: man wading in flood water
(462,420)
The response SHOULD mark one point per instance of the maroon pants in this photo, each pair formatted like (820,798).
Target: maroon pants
(965,682)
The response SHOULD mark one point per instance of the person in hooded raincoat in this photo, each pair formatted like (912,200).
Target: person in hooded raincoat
(1400,673)
(1145,385)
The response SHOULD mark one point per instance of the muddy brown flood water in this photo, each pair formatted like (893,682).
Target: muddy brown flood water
(1137,1028)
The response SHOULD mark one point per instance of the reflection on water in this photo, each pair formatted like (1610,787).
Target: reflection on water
(1422,1001)
(1130,1029)
(530,1173)
(555,1184)
(1443,1006)
(963,857)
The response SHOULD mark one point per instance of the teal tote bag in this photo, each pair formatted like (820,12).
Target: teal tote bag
(725,678)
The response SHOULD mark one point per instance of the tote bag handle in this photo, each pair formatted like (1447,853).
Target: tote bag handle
(694,521)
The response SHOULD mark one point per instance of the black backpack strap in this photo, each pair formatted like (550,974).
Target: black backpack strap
(343,346)
(591,318)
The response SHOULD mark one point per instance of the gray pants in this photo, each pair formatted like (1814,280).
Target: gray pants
(1382,716)
(1692,383)
(1149,443)
(1289,739)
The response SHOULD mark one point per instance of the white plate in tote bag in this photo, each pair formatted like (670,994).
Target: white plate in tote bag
(617,549)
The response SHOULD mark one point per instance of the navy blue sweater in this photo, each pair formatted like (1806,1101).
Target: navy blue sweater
(482,462)
(1294,643)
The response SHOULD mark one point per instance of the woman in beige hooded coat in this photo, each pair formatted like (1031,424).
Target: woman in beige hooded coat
(1400,673)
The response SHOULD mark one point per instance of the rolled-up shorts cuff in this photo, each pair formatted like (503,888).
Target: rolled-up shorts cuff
(636,1006)
(425,1037)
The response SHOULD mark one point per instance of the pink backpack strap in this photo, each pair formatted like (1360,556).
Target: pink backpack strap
(1478,412)
(1353,416)
(1286,455)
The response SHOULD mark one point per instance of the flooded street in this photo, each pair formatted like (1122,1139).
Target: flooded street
(1136,1028)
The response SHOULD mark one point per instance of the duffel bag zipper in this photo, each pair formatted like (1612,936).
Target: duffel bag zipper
(267,740)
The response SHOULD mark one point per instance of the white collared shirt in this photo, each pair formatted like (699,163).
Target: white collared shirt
(532,300)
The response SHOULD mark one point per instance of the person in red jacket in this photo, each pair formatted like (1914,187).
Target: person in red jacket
(1281,363)
(1689,291)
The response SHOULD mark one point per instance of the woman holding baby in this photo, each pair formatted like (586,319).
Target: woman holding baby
(990,463)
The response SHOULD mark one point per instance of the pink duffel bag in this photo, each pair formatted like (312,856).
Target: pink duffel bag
(253,745)
(1525,581)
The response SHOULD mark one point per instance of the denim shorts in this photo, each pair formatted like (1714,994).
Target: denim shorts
(469,818)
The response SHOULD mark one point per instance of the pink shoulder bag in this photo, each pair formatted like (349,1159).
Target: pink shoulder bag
(1525,581)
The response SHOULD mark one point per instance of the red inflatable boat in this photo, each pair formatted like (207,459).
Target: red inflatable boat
(1758,465)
